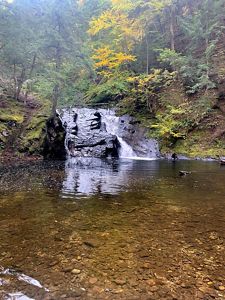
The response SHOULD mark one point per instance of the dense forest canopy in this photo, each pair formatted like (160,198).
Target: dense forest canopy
(127,52)
(97,48)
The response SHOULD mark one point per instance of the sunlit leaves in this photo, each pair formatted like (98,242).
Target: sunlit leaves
(107,60)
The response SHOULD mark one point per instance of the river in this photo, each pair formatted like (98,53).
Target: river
(114,229)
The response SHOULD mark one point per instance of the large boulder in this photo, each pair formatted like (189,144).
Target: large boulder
(87,135)
(100,145)
(54,141)
(136,136)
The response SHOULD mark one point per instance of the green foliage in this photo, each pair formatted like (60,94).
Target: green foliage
(192,72)
(144,90)
(169,123)
(175,123)
(112,89)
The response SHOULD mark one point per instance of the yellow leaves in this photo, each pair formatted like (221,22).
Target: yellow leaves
(116,25)
(123,57)
(106,20)
(156,77)
(107,60)
(119,26)
(177,111)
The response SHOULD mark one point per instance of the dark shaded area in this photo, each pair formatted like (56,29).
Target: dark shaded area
(54,142)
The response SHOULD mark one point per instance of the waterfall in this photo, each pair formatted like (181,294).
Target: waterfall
(91,127)
(112,123)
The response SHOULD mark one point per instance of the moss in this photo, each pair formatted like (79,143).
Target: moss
(33,136)
(15,118)
(196,145)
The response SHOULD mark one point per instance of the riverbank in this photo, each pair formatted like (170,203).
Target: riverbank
(22,128)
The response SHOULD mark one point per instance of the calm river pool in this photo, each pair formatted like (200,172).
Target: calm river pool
(118,229)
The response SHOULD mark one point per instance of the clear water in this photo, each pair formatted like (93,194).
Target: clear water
(118,229)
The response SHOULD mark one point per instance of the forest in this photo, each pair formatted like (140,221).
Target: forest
(112,149)
(160,61)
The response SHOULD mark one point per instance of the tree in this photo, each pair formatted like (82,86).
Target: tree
(19,48)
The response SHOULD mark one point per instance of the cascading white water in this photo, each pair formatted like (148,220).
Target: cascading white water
(112,126)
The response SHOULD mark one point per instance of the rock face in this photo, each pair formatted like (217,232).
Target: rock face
(98,145)
(87,135)
(135,135)
(101,134)
(54,142)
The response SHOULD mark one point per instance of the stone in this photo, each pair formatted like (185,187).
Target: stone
(146,266)
(144,253)
(219,287)
(97,289)
(151,282)
(5,133)
(76,271)
(53,263)
(93,280)
(154,288)
(120,281)
(54,141)
(91,243)
(67,269)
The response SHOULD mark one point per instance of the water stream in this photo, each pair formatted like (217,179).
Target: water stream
(112,229)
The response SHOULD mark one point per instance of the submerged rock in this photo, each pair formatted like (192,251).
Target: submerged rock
(184,173)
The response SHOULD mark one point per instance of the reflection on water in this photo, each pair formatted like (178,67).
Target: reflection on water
(138,231)
(91,176)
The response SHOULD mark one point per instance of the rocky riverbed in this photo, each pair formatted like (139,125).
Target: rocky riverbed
(153,235)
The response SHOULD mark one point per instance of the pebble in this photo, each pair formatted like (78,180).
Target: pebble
(118,291)
(53,263)
(76,271)
(93,280)
(143,253)
(120,281)
(68,269)
(207,290)
(153,289)
(146,266)
(98,290)
(220,288)
(151,282)
(91,244)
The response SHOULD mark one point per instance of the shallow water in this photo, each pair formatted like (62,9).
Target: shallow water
(112,230)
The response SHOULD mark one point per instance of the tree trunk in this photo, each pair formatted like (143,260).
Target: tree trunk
(147,55)
(15,81)
(172,30)
(55,97)
(30,75)
(20,82)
